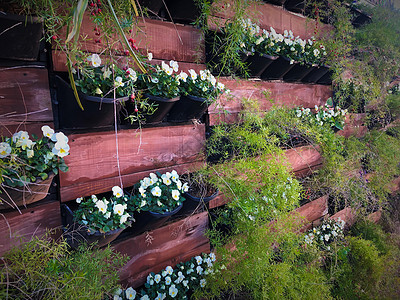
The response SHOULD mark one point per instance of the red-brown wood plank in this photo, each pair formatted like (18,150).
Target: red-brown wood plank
(24,95)
(268,15)
(164,39)
(347,214)
(354,126)
(93,162)
(165,246)
(315,209)
(34,221)
(280,94)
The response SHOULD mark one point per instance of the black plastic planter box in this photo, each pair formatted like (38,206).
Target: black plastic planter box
(257,63)
(181,11)
(276,2)
(326,79)
(277,69)
(315,74)
(187,108)
(20,37)
(298,72)
(295,5)
(98,112)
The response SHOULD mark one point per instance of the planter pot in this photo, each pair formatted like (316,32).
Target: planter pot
(98,112)
(295,5)
(181,11)
(258,62)
(315,74)
(277,69)
(193,203)
(20,37)
(326,79)
(153,6)
(298,72)
(147,220)
(164,105)
(76,234)
(187,108)
(28,194)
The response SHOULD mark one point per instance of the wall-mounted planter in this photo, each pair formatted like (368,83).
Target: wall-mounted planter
(277,69)
(326,79)
(187,108)
(295,5)
(98,112)
(196,204)
(22,196)
(298,72)
(76,234)
(360,18)
(257,63)
(181,11)
(276,2)
(163,105)
(20,37)
(315,74)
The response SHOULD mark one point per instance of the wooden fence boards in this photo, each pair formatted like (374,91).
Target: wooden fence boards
(93,162)
(165,246)
(34,221)
(267,94)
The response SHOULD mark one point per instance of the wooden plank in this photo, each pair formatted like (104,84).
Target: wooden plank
(354,126)
(395,185)
(375,216)
(164,39)
(267,94)
(303,160)
(31,127)
(34,221)
(24,95)
(97,186)
(139,152)
(268,15)
(347,215)
(315,209)
(165,246)
(60,60)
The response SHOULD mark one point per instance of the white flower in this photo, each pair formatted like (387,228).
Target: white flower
(193,74)
(160,296)
(95,60)
(143,203)
(180,277)
(154,80)
(107,215)
(47,131)
(220,86)
(124,218)
(173,291)
(167,181)
(212,256)
(167,280)
(29,153)
(119,209)
(185,187)
(79,200)
(145,297)
(5,149)
(175,195)
(174,176)
(61,149)
(116,297)
(149,56)
(199,270)
(101,206)
(117,191)
(259,40)
(131,74)
(98,91)
(156,191)
(118,292)
(316,52)
(59,137)
(130,293)
(199,260)
(106,72)
(183,76)
(159,203)
(179,184)
(118,82)
(326,237)
(169,270)
(174,65)
(203,283)
(157,278)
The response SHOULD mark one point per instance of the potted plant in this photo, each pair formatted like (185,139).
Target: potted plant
(159,87)
(157,198)
(198,91)
(28,166)
(98,220)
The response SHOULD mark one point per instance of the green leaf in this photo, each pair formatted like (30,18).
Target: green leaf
(338,125)
(329,101)
(77,20)
(44,176)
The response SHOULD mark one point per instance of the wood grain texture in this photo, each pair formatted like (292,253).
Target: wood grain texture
(315,209)
(34,221)
(164,39)
(24,95)
(169,245)
(93,169)
(303,160)
(60,60)
(347,215)
(268,15)
(227,108)
(31,127)
(375,216)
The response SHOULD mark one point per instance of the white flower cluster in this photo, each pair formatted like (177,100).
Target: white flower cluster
(173,283)
(328,232)
(286,44)
(171,68)
(98,214)
(327,114)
